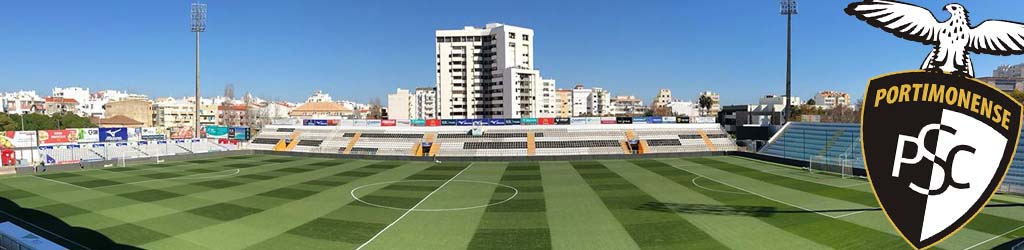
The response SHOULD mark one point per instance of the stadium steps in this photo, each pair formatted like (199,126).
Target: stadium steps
(352,143)
(831,141)
(189,151)
(707,141)
(531,146)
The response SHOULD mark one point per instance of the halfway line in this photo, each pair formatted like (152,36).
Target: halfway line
(412,208)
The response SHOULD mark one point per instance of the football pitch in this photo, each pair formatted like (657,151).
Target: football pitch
(279,202)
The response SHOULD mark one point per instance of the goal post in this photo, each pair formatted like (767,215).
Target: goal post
(819,164)
(816,163)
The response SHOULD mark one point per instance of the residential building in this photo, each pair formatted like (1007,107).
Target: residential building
(401,105)
(54,105)
(488,72)
(1006,77)
(233,114)
(22,102)
(590,102)
(79,95)
(319,96)
(135,109)
(716,104)
(563,103)
(1009,71)
(425,100)
(663,99)
(830,99)
(265,113)
(684,108)
(173,113)
(627,106)
(320,110)
(546,99)
(778,100)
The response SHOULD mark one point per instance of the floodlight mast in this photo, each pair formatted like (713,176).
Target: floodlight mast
(788,8)
(198,25)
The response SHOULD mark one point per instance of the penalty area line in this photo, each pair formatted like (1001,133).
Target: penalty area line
(413,208)
(760,195)
(993,238)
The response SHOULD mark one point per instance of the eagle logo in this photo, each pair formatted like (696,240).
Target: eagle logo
(954,39)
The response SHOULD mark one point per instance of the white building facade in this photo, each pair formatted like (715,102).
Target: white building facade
(400,104)
(591,102)
(425,101)
(830,99)
(684,108)
(21,102)
(778,100)
(488,72)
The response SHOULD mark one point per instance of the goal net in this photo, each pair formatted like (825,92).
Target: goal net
(837,165)
(822,164)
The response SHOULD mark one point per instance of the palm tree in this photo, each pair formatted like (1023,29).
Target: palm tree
(705,103)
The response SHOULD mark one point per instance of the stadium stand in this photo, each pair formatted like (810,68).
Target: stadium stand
(72,153)
(839,143)
(496,140)
(835,143)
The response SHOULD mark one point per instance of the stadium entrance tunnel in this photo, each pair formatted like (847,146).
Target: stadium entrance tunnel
(406,194)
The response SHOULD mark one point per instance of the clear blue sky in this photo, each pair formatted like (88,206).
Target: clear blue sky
(362,49)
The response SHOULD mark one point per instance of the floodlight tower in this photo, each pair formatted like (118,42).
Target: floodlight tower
(198,25)
(788,8)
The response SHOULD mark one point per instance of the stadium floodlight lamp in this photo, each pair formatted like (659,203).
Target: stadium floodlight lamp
(788,8)
(198,22)
(198,25)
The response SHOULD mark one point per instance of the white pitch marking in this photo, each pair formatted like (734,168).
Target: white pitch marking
(237,170)
(353,194)
(853,213)
(785,171)
(413,208)
(751,192)
(61,182)
(997,236)
(694,181)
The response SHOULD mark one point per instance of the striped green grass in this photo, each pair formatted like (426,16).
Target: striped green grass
(278,202)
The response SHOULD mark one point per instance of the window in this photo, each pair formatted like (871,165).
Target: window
(512,35)
(526,37)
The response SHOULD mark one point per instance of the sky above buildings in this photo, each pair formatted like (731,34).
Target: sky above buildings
(362,49)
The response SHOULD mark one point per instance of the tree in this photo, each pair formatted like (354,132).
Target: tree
(811,102)
(661,111)
(7,124)
(71,120)
(1018,95)
(43,122)
(375,112)
(705,103)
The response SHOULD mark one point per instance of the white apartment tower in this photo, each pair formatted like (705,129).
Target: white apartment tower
(590,102)
(488,72)
(426,103)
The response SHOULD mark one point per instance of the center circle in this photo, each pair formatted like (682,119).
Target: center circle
(515,192)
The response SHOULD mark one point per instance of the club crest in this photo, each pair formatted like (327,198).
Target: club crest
(937,143)
(936,147)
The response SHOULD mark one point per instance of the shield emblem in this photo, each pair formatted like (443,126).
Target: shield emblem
(936,147)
